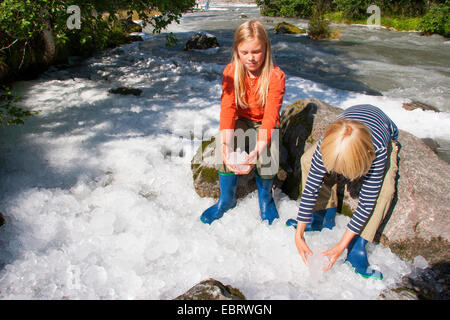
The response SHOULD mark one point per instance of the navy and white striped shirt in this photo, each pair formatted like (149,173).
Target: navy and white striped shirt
(383,130)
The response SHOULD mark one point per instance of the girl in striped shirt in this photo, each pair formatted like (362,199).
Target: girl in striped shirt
(361,143)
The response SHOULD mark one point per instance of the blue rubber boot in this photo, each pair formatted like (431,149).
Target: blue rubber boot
(328,218)
(320,219)
(357,256)
(227,199)
(266,204)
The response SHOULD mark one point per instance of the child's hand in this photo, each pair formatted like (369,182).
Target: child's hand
(300,243)
(226,150)
(252,158)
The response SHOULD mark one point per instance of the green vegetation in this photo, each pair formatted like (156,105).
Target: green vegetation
(10,114)
(428,16)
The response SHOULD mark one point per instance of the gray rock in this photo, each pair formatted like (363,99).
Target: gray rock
(126,91)
(418,105)
(211,289)
(201,41)
(431,283)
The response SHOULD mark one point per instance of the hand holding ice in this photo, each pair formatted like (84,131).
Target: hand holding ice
(316,264)
(237,159)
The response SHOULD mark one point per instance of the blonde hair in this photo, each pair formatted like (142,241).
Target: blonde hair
(347,148)
(248,31)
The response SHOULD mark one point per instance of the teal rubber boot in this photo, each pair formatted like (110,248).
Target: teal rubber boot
(320,219)
(227,199)
(266,204)
(357,257)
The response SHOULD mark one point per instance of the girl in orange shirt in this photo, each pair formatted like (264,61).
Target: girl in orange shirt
(253,90)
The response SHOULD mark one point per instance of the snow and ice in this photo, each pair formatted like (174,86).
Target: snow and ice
(99,202)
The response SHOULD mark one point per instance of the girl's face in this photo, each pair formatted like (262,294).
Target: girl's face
(252,54)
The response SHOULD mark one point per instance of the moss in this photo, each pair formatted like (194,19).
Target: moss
(236,292)
(284,27)
(434,250)
(346,210)
(206,143)
(209,174)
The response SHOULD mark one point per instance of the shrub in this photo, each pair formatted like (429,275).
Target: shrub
(296,8)
(436,20)
(318,26)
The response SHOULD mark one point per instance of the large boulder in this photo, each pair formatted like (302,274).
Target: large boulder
(417,224)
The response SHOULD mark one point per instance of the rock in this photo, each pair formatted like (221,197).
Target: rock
(287,28)
(206,178)
(201,41)
(2,219)
(431,283)
(211,289)
(125,91)
(418,105)
(397,294)
(129,26)
(417,224)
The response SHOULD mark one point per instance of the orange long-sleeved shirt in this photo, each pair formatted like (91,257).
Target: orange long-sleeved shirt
(269,116)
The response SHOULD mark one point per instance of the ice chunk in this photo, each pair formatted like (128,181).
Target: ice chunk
(237,158)
(316,263)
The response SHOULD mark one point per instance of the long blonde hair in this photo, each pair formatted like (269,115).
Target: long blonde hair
(347,148)
(248,31)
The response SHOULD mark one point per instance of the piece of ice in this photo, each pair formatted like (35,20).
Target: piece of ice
(316,263)
(237,158)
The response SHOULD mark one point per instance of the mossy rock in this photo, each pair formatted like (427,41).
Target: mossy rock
(206,177)
(128,25)
(211,289)
(201,41)
(287,28)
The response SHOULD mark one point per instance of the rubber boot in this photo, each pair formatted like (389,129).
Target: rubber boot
(357,257)
(227,199)
(328,218)
(320,219)
(266,204)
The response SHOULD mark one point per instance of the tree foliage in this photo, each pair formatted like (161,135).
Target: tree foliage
(10,114)
(432,13)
